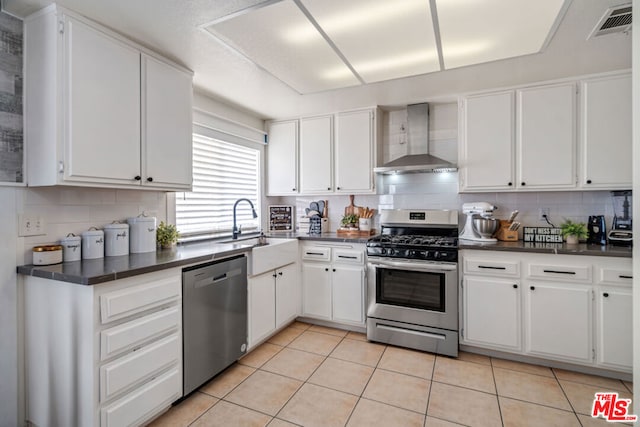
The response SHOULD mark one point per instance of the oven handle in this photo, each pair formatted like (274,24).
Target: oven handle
(395,265)
(412,332)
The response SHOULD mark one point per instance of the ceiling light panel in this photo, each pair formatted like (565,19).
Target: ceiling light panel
(477,31)
(381,39)
(280,39)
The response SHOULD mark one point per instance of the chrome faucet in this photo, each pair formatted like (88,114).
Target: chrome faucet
(237,231)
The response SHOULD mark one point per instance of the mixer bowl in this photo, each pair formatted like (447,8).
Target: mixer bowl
(485,227)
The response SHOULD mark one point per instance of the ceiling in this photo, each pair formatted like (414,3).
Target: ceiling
(316,45)
(176,28)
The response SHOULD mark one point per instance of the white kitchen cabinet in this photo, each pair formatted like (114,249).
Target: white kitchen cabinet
(167,154)
(492,315)
(336,154)
(120,341)
(546,137)
(316,290)
(605,132)
(316,149)
(262,303)
(274,301)
(333,283)
(347,293)
(355,154)
(487,149)
(614,327)
(93,112)
(558,320)
(282,158)
(565,317)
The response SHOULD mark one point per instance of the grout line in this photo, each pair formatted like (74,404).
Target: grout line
(564,393)
(495,386)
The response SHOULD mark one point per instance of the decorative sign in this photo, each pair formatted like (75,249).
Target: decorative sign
(280,218)
(542,235)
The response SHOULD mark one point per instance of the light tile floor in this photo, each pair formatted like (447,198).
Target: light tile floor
(311,375)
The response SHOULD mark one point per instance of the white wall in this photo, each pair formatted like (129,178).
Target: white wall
(636,205)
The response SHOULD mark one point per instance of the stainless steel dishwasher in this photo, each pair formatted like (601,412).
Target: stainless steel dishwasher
(214,318)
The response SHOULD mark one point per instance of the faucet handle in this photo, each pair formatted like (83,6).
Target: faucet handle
(239,229)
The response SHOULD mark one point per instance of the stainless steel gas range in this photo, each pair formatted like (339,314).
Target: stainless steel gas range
(413,280)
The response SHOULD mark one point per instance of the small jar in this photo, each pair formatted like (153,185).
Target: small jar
(71,247)
(47,254)
(92,244)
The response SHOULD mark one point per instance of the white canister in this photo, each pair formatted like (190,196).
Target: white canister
(71,247)
(92,244)
(116,239)
(142,234)
(47,254)
(365,224)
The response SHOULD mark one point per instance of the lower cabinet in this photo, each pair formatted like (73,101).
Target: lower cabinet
(558,318)
(113,350)
(333,283)
(575,309)
(492,317)
(274,300)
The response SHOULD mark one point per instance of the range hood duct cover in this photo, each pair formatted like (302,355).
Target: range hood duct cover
(418,158)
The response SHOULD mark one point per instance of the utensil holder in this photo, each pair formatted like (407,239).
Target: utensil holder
(504,234)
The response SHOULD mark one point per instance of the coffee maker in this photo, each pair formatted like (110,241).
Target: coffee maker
(597,230)
(621,233)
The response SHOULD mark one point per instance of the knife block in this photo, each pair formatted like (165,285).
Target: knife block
(504,234)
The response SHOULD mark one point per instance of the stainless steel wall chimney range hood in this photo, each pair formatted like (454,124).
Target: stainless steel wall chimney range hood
(418,158)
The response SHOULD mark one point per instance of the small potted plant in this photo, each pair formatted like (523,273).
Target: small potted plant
(574,231)
(349,221)
(166,235)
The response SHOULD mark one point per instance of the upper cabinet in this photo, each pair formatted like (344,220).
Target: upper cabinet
(605,132)
(333,154)
(546,137)
(282,158)
(487,154)
(560,136)
(102,111)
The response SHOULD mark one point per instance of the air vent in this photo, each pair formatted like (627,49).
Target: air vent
(615,20)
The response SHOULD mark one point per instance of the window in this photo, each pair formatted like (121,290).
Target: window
(223,172)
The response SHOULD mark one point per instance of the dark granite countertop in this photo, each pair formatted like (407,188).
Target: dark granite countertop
(326,237)
(95,271)
(550,248)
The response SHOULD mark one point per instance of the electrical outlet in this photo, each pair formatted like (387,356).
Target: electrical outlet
(31,225)
(544,213)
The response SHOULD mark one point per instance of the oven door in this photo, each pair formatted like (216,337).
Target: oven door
(417,292)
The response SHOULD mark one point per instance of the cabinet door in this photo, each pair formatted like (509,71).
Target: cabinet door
(606,133)
(546,137)
(282,158)
(491,312)
(487,151)
(347,285)
(316,143)
(316,290)
(102,105)
(614,333)
(558,321)
(287,294)
(262,307)
(167,126)
(354,153)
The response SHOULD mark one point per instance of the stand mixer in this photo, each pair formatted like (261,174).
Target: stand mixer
(480,224)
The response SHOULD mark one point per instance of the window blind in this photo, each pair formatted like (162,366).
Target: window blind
(223,172)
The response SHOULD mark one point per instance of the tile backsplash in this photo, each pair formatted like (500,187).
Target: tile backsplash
(76,209)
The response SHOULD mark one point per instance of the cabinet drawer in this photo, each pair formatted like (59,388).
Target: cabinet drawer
(316,253)
(126,336)
(348,256)
(492,267)
(136,299)
(122,373)
(615,276)
(139,406)
(575,273)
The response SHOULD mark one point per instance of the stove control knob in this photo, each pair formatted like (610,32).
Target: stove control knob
(436,255)
(391,251)
(383,251)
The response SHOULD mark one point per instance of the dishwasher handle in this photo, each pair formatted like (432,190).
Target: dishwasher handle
(213,280)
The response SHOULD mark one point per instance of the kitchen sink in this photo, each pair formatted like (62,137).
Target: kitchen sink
(268,256)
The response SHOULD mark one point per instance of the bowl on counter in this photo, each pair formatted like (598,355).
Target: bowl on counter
(485,227)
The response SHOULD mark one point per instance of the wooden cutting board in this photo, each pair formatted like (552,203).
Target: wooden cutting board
(349,210)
